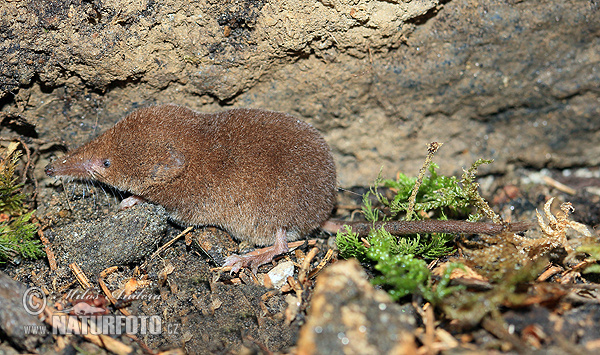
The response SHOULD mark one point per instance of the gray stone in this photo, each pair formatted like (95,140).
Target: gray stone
(125,237)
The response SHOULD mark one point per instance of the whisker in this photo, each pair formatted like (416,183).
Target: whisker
(348,191)
(90,186)
(66,194)
(80,193)
(105,194)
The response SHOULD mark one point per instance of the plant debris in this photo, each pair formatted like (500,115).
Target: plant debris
(400,260)
(480,276)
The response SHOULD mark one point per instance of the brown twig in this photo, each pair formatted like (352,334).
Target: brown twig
(74,327)
(80,276)
(165,246)
(429,329)
(110,297)
(263,301)
(499,331)
(261,346)
(147,349)
(322,264)
(108,271)
(306,264)
(296,286)
(107,291)
(558,185)
(48,250)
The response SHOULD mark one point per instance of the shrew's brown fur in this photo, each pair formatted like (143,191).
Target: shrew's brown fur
(251,172)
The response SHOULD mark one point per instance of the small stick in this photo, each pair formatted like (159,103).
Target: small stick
(321,265)
(48,250)
(306,264)
(296,286)
(103,341)
(147,349)
(66,287)
(263,301)
(107,292)
(558,185)
(429,328)
(83,280)
(166,245)
(108,271)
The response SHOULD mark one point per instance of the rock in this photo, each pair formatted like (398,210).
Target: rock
(280,273)
(348,316)
(19,326)
(125,237)
(109,41)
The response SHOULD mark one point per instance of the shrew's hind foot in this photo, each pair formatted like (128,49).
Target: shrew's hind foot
(258,257)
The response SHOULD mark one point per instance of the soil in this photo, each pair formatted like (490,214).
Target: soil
(509,80)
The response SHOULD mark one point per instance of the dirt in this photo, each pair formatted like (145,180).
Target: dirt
(201,311)
(509,80)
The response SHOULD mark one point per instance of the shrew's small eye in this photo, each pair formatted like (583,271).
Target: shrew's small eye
(106,163)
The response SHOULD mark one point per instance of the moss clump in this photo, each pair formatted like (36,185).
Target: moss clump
(17,239)
(17,233)
(435,193)
(400,262)
(11,198)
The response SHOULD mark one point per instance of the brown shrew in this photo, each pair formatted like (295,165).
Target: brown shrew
(265,177)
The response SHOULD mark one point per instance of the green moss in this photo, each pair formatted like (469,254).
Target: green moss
(17,239)
(350,246)
(469,308)
(11,198)
(400,262)
(401,274)
(17,233)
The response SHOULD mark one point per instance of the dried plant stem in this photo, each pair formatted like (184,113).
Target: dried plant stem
(431,149)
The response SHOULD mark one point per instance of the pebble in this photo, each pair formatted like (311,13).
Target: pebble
(280,273)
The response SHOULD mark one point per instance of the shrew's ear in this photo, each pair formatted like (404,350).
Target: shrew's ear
(168,166)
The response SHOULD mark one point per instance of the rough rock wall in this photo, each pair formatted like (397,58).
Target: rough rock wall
(208,47)
(514,81)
